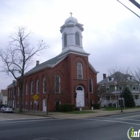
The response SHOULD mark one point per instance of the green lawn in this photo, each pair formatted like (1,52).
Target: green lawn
(113,108)
(80,112)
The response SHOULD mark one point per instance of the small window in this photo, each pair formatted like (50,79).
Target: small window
(107,98)
(65,39)
(37,87)
(77,39)
(136,96)
(109,78)
(57,83)
(37,105)
(79,70)
(90,85)
(107,88)
(31,104)
(44,85)
(134,88)
(57,103)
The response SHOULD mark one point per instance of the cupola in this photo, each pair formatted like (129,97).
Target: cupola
(72,35)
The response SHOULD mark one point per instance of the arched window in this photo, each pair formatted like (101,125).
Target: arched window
(65,39)
(79,70)
(90,85)
(44,85)
(79,88)
(26,88)
(32,87)
(77,39)
(37,87)
(57,84)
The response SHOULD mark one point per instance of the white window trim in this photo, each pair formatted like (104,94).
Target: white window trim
(91,83)
(44,85)
(77,39)
(81,69)
(37,86)
(32,87)
(59,84)
(26,88)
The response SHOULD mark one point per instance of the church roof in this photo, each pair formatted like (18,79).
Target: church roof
(54,61)
(50,63)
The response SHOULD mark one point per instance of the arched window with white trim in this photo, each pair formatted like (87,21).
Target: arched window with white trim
(57,84)
(32,87)
(65,39)
(37,86)
(79,70)
(44,85)
(26,88)
(77,39)
(90,85)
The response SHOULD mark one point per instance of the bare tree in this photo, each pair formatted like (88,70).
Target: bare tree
(18,56)
(136,75)
(54,90)
(102,93)
(121,79)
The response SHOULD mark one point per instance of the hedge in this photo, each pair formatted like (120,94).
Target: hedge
(96,106)
(66,107)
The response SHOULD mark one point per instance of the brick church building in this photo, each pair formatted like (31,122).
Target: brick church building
(66,78)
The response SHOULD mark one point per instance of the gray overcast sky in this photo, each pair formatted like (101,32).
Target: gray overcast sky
(111,32)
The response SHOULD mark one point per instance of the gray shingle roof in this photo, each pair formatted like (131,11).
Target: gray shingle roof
(116,77)
(50,63)
(11,85)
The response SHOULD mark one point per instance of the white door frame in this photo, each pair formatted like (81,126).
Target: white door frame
(44,105)
(80,97)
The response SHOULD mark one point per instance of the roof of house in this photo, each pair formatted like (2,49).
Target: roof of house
(4,92)
(117,77)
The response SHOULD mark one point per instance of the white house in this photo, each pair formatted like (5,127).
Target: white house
(3,97)
(115,84)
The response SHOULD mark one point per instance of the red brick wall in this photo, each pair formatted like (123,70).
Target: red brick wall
(67,69)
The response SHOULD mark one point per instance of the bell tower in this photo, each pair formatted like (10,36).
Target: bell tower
(72,35)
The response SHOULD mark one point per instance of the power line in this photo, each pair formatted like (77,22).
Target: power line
(129,8)
(135,3)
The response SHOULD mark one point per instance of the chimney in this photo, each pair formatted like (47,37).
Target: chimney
(104,76)
(37,63)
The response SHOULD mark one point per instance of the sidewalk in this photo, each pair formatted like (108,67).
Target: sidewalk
(96,113)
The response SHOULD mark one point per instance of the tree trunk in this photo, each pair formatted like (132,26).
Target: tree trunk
(20,101)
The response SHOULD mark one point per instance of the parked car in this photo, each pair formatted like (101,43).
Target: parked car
(7,109)
(1,105)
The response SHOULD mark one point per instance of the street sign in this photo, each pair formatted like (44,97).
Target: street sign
(35,97)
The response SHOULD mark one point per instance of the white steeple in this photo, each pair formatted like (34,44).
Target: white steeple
(72,35)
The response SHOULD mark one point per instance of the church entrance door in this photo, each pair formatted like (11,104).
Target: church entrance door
(80,97)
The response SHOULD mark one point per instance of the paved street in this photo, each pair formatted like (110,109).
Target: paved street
(112,127)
